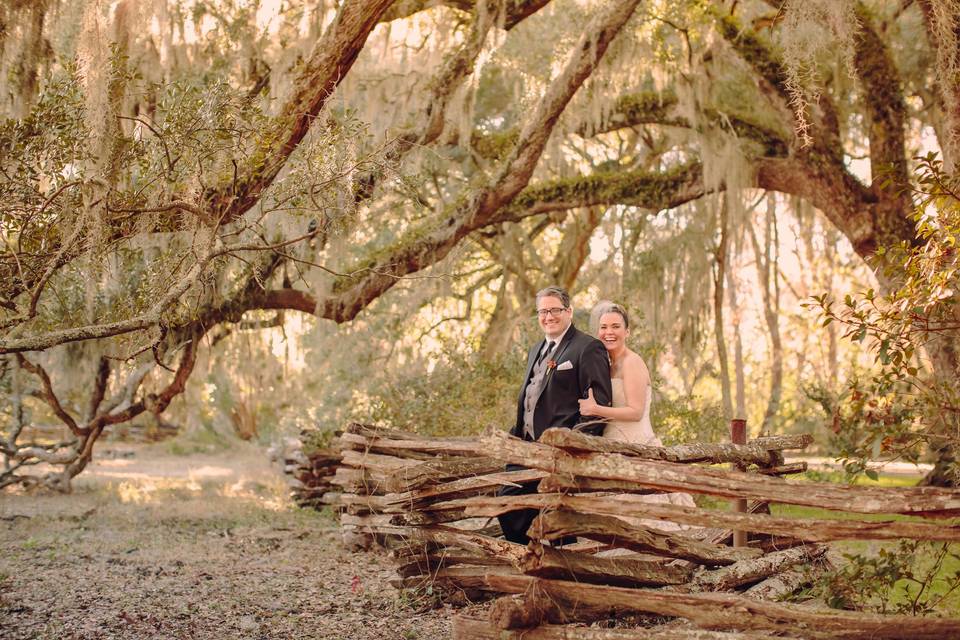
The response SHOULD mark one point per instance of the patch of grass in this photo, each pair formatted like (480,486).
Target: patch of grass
(883,480)
(31,544)
(868,570)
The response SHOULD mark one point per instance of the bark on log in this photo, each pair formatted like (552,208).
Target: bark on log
(757,452)
(777,586)
(558,524)
(509,552)
(784,469)
(749,571)
(809,529)
(669,476)
(472,628)
(523,612)
(469,578)
(559,483)
(401,444)
(357,481)
(722,611)
(549,562)
(374,461)
(419,499)
(428,563)
(419,475)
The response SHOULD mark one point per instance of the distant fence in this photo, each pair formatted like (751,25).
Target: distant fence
(432,501)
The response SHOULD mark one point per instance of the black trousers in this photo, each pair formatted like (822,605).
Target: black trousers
(516,523)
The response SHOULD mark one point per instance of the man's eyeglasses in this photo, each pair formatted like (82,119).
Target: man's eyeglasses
(555,312)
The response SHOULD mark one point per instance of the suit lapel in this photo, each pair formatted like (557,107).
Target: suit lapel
(567,339)
(531,358)
(564,343)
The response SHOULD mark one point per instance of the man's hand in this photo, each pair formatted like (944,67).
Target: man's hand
(588,406)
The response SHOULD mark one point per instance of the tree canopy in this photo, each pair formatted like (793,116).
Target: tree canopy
(178,173)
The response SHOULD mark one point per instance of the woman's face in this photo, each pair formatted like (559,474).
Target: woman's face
(612,331)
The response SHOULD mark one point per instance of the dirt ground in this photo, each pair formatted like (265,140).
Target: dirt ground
(155,545)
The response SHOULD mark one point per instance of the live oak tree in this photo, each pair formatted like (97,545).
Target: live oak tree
(158,189)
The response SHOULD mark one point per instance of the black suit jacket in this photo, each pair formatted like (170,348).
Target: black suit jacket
(558,404)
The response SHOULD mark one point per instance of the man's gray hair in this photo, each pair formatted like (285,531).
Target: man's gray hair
(556,292)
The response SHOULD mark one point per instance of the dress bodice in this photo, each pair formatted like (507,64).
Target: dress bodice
(639,431)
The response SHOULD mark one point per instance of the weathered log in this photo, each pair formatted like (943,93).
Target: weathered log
(360,504)
(779,585)
(374,527)
(753,570)
(419,499)
(365,519)
(414,448)
(783,469)
(465,577)
(549,562)
(523,612)
(723,611)
(420,518)
(552,525)
(428,563)
(754,452)
(510,552)
(669,476)
(558,483)
(375,462)
(809,529)
(357,481)
(374,431)
(435,472)
(472,628)
(414,548)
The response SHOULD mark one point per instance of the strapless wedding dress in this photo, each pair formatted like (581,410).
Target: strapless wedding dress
(641,432)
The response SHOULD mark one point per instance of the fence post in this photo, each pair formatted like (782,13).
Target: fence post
(738,435)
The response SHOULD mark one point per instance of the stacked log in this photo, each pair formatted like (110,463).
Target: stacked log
(389,481)
(432,501)
(311,463)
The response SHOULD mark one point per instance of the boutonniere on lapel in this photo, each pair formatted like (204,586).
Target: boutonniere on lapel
(551,365)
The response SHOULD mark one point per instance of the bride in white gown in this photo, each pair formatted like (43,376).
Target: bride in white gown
(628,419)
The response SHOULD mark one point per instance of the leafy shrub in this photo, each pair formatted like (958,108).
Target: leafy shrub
(463,394)
(914,578)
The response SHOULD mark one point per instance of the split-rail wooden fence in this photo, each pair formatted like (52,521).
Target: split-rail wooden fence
(432,501)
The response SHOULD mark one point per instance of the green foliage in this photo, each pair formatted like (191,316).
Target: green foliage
(461,395)
(913,578)
(688,419)
(909,401)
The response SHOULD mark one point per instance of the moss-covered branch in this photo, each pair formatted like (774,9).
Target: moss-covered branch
(642,108)
(648,190)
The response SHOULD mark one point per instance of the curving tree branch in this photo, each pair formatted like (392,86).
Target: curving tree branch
(478,208)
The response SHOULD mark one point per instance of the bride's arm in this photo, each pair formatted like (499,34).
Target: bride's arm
(635,381)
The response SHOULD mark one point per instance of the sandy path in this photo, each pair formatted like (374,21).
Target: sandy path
(152,545)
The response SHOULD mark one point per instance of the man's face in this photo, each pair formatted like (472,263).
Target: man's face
(553,317)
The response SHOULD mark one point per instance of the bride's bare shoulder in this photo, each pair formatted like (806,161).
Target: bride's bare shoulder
(634,364)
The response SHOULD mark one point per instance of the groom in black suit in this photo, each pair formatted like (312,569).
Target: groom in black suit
(561,369)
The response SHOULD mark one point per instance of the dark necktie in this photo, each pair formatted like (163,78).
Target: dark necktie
(548,349)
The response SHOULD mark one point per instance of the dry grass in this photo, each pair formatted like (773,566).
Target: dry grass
(200,546)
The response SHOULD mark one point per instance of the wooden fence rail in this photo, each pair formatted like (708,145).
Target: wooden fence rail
(432,500)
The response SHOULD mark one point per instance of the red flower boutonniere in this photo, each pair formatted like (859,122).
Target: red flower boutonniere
(551,364)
